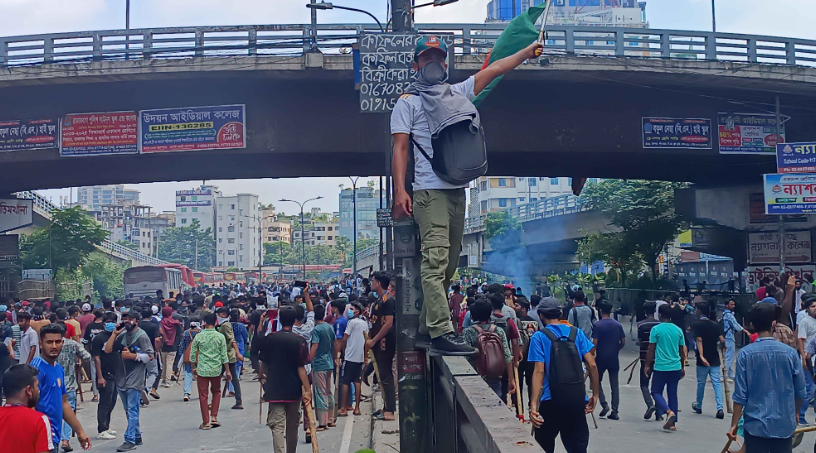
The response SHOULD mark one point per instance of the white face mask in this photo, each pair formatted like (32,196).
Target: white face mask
(222,320)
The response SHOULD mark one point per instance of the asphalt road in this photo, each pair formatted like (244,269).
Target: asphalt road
(170,425)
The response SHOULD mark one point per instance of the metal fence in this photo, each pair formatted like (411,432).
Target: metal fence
(542,209)
(468,417)
(294,39)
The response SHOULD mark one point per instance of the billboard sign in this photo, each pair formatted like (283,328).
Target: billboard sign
(17,135)
(791,193)
(755,274)
(763,248)
(748,133)
(192,128)
(15,213)
(692,133)
(98,134)
(796,157)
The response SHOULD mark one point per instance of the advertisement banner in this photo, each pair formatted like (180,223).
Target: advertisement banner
(790,193)
(763,248)
(15,213)
(796,157)
(755,274)
(194,203)
(676,133)
(17,135)
(192,128)
(98,134)
(194,192)
(748,133)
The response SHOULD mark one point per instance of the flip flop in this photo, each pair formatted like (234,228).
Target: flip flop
(342,414)
(330,425)
(357,413)
(670,420)
(215,423)
(321,428)
(204,427)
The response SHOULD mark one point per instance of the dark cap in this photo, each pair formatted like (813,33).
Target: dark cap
(548,304)
(427,43)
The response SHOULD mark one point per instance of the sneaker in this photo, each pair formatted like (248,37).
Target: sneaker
(127,446)
(423,341)
(167,385)
(720,414)
(104,435)
(451,344)
(604,411)
(696,408)
(649,412)
(145,401)
(66,447)
(138,441)
(186,398)
(237,407)
(112,432)
(658,417)
(613,416)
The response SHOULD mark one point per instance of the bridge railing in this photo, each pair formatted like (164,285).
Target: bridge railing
(44,208)
(541,209)
(294,39)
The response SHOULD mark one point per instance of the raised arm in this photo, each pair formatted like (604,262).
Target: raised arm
(503,66)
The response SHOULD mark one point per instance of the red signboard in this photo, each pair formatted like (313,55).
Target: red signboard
(99,134)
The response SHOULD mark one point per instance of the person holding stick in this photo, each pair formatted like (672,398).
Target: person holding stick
(284,356)
(383,342)
(769,386)
(644,329)
(609,338)
(707,334)
(322,366)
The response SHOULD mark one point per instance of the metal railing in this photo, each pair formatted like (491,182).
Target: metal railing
(468,417)
(368,251)
(43,207)
(542,209)
(293,40)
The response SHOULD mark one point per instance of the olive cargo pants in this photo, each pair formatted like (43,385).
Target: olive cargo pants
(440,215)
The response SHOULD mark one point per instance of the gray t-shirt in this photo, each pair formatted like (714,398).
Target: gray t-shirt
(132,374)
(409,117)
(581,317)
(28,339)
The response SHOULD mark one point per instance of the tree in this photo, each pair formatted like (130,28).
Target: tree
(503,230)
(65,244)
(613,249)
(277,253)
(179,245)
(643,210)
(106,275)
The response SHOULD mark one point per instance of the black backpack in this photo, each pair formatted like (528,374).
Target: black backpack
(566,372)
(460,153)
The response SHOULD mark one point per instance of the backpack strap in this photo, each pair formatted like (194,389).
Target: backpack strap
(492,328)
(421,150)
(573,333)
(550,335)
(479,330)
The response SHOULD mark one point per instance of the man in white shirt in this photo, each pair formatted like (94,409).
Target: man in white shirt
(438,207)
(29,339)
(354,344)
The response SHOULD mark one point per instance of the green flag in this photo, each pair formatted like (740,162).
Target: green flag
(520,33)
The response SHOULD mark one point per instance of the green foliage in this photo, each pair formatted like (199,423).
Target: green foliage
(232,269)
(127,244)
(644,211)
(277,253)
(179,245)
(65,244)
(613,249)
(503,230)
(107,276)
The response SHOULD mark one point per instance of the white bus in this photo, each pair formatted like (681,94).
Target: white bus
(146,280)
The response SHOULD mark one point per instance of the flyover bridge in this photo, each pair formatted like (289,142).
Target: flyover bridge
(576,111)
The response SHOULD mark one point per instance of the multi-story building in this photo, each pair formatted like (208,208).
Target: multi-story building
(275,230)
(368,201)
(495,193)
(238,231)
(317,233)
(197,204)
(157,224)
(130,196)
(93,197)
(129,223)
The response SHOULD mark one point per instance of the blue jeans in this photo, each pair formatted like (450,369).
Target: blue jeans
(66,428)
(729,356)
(703,373)
(810,388)
(130,401)
(188,381)
(238,367)
(669,380)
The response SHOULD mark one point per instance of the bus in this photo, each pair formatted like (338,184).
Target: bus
(146,280)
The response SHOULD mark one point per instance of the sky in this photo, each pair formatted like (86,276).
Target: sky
(792,18)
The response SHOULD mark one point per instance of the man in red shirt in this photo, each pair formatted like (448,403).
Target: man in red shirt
(23,429)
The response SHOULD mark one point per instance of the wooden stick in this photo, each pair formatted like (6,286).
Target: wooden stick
(312,425)
(594,422)
(519,405)
(79,383)
(632,364)
(260,401)
(337,389)
(724,371)
(727,446)
(374,361)
(631,373)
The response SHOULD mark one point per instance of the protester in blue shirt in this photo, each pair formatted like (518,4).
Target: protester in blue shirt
(53,394)
(549,419)
(769,386)
(730,325)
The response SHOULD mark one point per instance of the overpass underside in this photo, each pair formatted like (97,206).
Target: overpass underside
(566,116)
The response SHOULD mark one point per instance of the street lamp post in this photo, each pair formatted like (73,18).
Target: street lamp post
(713,18)
(302,232)
(354,207)
(127,28)
(325,6)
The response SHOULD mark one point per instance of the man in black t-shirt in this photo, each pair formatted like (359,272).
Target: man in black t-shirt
(153,331)
(644,330)
(284,356)
(383,341)
(106,365)
(707,333)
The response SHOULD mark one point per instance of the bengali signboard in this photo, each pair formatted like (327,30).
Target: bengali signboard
(755,274)
(17,135)
(37,274)
(790,193)
(748,133)
(15,213)
(384,218)
(192,128)
(676,133)
(796,157)
(9,247)
(98,134)
(763,248)
(385,68)
(193,192)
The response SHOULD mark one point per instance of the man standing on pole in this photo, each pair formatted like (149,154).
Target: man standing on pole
(438,207)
